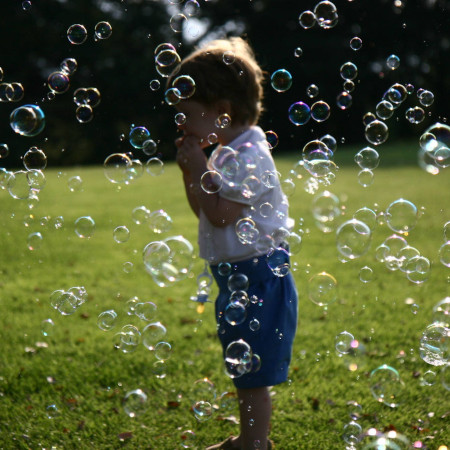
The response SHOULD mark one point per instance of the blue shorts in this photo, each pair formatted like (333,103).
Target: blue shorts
(276,312)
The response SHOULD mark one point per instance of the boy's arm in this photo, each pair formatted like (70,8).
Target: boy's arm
(192,161)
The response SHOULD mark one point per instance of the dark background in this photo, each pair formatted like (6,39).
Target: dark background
(33,43)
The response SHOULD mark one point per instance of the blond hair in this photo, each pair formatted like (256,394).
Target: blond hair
(226,69)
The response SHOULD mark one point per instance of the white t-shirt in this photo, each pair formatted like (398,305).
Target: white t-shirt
(249,177)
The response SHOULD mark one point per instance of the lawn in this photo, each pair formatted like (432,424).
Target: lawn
(65,385)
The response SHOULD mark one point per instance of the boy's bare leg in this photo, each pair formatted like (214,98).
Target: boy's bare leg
(255,408)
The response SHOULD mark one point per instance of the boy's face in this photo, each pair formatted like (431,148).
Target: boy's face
(200,120)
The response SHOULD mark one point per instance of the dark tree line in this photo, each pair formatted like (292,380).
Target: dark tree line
(34,42)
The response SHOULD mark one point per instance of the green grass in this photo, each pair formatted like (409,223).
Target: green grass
(77,369)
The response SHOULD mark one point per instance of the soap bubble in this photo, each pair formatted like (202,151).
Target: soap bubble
(145,310)
(65,302)
(444,254)
(211,181)
(135,402)
(185,86)
(428,378)
(278,261)
(326,14)
(355,43)
(386,385)
(177,22)
(342,342)
(235,313)
(138,136)
(368,117)
(401,216)
(299,113)
(163,351)
(320,111)
(435,344)
(85,227)
(426,98)
(223,121)
(307,19)
(348,71)
(322,289)
(281,80)
(366,274)
(238,358)
(353,239)
(298,52)
(396,94)
(312,91)
(152,334)
(246,231)
(238,282)
(35,159)
(344,100)
(77,34)
(159,221)
(393,62)
(352,432)
(154,167)
(415,115)
(191,8)
(367,158)
(121,234)
(188,437)
(69,66)
(27,120)
(4,150)
(47,327)
(272,139)
(58,82)
(329,141)
(34,241)
(376,132)
(18,184)
(75,183)
(384,110)
(107,320)
(325,207)
(116,168)
(103,30)
(140,215)
(84,113)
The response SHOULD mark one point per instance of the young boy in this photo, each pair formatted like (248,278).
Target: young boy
(242,218)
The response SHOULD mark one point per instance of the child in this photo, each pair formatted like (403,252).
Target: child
(243,215)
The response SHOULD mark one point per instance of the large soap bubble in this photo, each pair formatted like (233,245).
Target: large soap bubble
(353,239)
(27,120)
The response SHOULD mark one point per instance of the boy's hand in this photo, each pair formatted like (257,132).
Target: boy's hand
(190,156)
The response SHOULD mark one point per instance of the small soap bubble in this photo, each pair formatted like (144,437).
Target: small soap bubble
(355,43)
(444,254)
(322,289)
(228,57)
(386,385)
(103,30)
(272,139)
(159,221)
(353,239)
(69,66)
(299,113)
(107,320)
(343,341)
(365,177)
(154,167)
(177,21)
(428,378)
(352,432)
(35,158)
(281,80)
(384,110)
(180,118)
(117,168)
(348,71)
(426,98)
(163,351)
(85,227)
(121,234)
(344,100)
(77,34)
(128,267)
(145,310)
(298,52)
(58,82)
(188,438)
(415,115)
(312,91)
(326,14)
(52,411)
(254,324)
(135,403)
(393,62)
(191,8)
(47,327)
(367,158)
(235,313)
(185,86)
(152,334)
(75,183)
(138,136)
(401,216)
(278,261)
(320,111)
(34,241)
(434,344)
(211,182)
(223,121)
(368,118)
(84,113)
(4,150)
(237,282)
(349,86)
(155,85)
(366,274)
(366,215)
(307,19)
(376,132)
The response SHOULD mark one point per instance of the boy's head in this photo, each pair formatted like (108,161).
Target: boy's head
(226,69)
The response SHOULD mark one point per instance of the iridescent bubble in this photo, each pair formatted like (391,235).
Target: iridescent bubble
(322,289)
(145,310)
(254,324)
(428,378)
(212,138)
(84,113)
(35,159)
(281,80)
(396,94)
(325,207)
(34,241)
(307,19)
(246,230)
(51,411)
(27,120)
(348,71)
(376,132)
(441,312)
(103,30)
(163,351)
(355,43)
(367,158)
(365,177)
(326,14)
(93,96)
(393,62)
(344,100)
(152,334)
(237,282)
(69,66)
(4,150)
(116,168)
(18,184)
(228,57)
(349,86)
(84,227)
(368,117)
(107,320)
(180,258)
(185,85)
(135,403)
(177,21)
(191,8)
(159,221)
(224,269)
(298,52)
(77,34)
(223,121)
(121,234)
(415,115)
(154,167)
(366,274)
(188,438)
(342,342)
(167,60)
(138,136)
(58,82)
(353,239)
(352,432)
(444,254)
(149,148)
(299,113)
(435,137)
(401,216)
(317,158)
(155,85)
(272,139)
(417,269)
(426,98)
(47,327)
(434,344)
(238,357)
(211,182)
(278,261)
(312,91)
(320,111)
(330,142)
(235,313)
(65,302)
(386,385)
(384,110)
(140,215)
(202,410)
(155,256)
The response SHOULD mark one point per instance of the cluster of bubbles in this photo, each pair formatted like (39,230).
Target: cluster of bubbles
(77,33)
(300,113)
(166,59)
(325,15)
(10,92)
(58,82)
(240,360)
(434,151)
(86,99)
(66,302)
(367,159)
